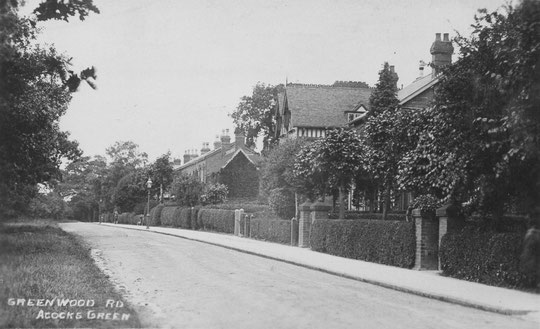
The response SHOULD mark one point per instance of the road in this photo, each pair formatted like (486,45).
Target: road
(179,283)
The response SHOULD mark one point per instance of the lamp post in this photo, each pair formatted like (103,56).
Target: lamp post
(99,209)
(149,186)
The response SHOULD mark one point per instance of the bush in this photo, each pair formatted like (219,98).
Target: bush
(249,207)
(482,256)
(216,220)
(426,203)
(385,242)
(281,202)
(368,215)
(155,215)
(271,230)
(215,193)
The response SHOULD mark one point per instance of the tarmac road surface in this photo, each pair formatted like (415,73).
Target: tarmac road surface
(179,283)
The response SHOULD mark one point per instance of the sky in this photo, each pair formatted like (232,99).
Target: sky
(170,72)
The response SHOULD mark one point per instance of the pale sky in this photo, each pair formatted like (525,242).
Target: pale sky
(170,71)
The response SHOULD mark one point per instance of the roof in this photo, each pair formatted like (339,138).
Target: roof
(323,106)
(417,87)
(216,160)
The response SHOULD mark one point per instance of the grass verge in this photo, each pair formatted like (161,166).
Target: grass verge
(48,279)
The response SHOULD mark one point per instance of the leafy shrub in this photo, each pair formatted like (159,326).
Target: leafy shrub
(194,218)
(281,202)
(369,215)
(216,220)
(140,208)
(187,190)
(385,242)
(215,193)
(271,230)
(484,256)
(426,203)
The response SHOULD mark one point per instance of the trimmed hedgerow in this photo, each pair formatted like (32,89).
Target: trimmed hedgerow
(482,256)
(218,220)
(271,230)
(195,218)
(167,216)
(281,202)
(368,215)
(155,215)
(385,242)
(182,217)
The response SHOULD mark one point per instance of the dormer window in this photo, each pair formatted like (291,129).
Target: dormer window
(358,113)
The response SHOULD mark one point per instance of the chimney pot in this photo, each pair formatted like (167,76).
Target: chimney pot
(446,37)
(437,37)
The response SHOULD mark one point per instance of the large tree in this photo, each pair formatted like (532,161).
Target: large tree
(385,134)
(34,93)
(482,140)
(331,162)
(254,114)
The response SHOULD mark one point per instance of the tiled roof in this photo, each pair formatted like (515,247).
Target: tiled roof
(323,106)
(416,87)
(215,160)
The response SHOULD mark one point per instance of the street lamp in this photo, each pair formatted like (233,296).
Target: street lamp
(99,209)
(149,186)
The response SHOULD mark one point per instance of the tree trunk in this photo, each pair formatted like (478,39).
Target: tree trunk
(341,202)
(386,202)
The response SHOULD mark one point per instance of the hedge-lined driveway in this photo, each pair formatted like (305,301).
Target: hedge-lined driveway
(180,283)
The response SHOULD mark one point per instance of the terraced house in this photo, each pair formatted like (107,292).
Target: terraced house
(229,163)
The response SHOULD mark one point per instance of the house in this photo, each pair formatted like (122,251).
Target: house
(420,93)
(232,164)
(306,110)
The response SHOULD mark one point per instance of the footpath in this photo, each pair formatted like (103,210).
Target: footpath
(429,284)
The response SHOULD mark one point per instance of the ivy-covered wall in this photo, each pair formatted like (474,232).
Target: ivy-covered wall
(241,178)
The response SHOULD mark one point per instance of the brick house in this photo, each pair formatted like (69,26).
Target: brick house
(232,164)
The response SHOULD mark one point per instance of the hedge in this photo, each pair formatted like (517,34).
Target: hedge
(155,215)
(218,220)
(271,230)
(368,215)
(167,216)
(182,218)
(385,242)
(488,257)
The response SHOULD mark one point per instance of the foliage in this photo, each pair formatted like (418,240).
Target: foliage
(330,162)
(217,220)
(484,256)
(155,215)
(282,203)
(277,167)
(253,116)
(481,143)
(385,242)
(426,203)
(271,230)
(130,191)
(161,172)
(387,134)
(187,190)
(49,205)
(215,193)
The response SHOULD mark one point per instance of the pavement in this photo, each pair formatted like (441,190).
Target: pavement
(430,284)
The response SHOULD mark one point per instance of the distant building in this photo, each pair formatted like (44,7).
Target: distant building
(232,164)
(309,110)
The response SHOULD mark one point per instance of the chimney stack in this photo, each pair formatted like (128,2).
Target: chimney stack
(187,157)
(239,140)
(394,74)
(205,148)
(421,68)
(217,143)
(225,138)
(441,52)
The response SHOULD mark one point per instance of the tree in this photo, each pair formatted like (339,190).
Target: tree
(34,93)
(332,161)
(161,172)
(386,137)
(254,114)
(130,190)
(482,141)
(187,189)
